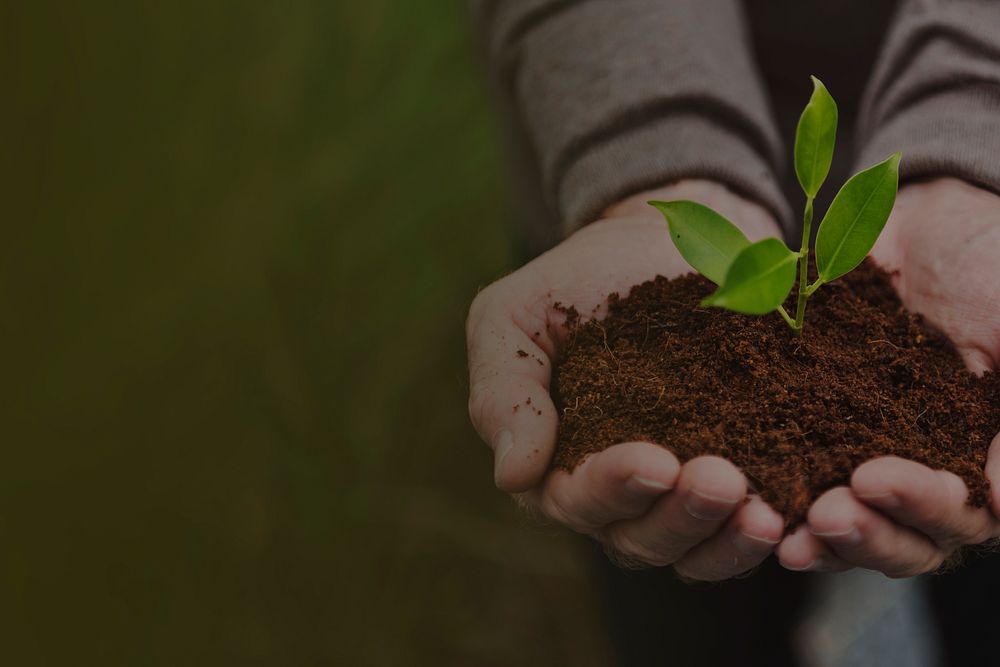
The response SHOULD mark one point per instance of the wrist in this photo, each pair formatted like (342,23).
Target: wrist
(947,190)
(941,213)
(753,219)
(949,202)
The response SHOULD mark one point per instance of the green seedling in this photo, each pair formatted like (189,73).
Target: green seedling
(756,278)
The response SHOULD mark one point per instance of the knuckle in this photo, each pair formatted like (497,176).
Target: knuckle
(923,566)
(894,571)
(954,488)
(480,303)
(938,521)
(480,403)
(680,533)
(869,524)
(555,509)
(984,534)
(626,545)
(616,462)
(948,520)
(693,573)
(688,573)
(485,301)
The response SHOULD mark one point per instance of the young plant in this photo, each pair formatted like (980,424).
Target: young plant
(756,278)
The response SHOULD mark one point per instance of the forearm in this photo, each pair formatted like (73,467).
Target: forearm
(935,93)
(753,219)
(625,96)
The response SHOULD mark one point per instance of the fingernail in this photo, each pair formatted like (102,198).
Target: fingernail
(888,500)
(816,565)
(847,537)
(645,486)
(503,442)
(708,507)
(752,545)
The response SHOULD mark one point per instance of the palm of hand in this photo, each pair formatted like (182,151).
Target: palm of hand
(629,246)
(611,255)
(942,246)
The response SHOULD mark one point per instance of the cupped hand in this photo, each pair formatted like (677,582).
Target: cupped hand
(635,497)
(942,248)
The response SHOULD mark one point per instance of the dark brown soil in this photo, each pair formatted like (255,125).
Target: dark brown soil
(797,415)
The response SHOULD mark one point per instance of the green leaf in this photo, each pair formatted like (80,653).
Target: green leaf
(704,238)
(856,218)
(759,279)
(814,139)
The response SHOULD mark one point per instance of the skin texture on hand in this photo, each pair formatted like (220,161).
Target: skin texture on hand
(635,497)
(942,247)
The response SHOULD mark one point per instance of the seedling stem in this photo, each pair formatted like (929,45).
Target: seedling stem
(800,310)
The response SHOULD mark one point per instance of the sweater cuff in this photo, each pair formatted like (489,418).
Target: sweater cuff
(678,146)
(952,133)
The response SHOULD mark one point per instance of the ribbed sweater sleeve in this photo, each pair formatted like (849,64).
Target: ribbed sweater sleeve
(618,96)
(935,92)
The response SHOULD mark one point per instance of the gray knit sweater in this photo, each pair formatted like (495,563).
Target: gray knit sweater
(605,98)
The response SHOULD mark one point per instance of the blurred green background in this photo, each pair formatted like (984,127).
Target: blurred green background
(239,241)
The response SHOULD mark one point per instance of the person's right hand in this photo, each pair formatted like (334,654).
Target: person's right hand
(635,497)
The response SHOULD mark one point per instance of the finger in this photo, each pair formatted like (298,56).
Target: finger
(801,551)
(993,475)
(509,401)
(621,482)
(976,360)
(709,489)
(865,538)
(749,537)
(931,501)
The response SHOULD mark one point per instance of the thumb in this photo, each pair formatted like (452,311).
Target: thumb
(509,401)
(993,475)
(976,360)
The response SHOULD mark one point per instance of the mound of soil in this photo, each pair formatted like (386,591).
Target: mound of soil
(797,415)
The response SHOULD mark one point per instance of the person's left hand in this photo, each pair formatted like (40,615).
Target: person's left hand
(942,247)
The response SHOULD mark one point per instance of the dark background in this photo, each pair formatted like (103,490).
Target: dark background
(239,241)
